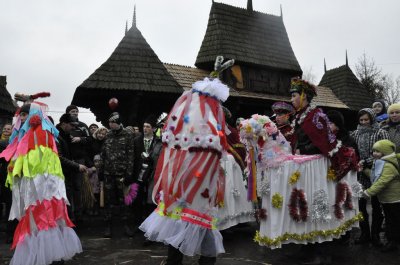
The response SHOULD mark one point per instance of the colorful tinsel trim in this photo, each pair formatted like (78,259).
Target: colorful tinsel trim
(298,208)
(294,177)
(276,242)
(277,200)
(331,175)
(343,198)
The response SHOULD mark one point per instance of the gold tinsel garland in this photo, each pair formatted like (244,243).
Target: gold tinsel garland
(294,177)
(331,174)
(277,201)
(308,236)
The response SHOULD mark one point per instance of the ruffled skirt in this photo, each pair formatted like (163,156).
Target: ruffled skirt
(189,238)
(237,209)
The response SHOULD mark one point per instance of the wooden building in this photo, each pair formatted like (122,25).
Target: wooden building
(264,64)
(7,107)
(135,76)
(346,87)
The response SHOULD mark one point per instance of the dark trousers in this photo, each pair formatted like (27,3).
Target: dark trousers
(175,257)
(6,196)
(392,217)
(377,217)
(114,199)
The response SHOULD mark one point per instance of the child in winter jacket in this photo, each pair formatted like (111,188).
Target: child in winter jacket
(386,185)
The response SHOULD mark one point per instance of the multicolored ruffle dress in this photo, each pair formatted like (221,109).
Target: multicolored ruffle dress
(189,181)
(44,233)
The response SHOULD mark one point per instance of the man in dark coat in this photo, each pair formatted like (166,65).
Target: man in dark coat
(80,152)
(69,166)
(147,148)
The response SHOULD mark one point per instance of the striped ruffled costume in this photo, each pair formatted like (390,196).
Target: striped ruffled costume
(189,180)
(39,199)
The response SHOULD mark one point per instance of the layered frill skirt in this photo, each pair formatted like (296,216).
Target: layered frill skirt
(191,232)
(236,209)
(44,233)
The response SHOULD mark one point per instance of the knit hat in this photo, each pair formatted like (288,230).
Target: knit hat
(67,118)
(382,103)
(70,107)
(336,117)
(282,107)
(25,108)
(298,85)
(370,113)
(114,117)
(97,158)
(386,147)
(394,107)
(94,125)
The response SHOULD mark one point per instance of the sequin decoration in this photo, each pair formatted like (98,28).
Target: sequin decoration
(320,207)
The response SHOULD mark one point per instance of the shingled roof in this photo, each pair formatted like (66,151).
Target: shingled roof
(186,76)
(347,87)
(248,36)
(132,66)
(6,102)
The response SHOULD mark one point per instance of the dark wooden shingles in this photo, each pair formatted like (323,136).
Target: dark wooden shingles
(132,66)
(249,37)
(6,102)
(347,87)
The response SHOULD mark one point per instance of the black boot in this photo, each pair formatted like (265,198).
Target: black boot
(389,247)
(128,231)
(175,257)
(363,239)
(376,240)
(207,260)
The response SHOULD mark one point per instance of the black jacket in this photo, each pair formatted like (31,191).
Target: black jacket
(154,151)
(69,166)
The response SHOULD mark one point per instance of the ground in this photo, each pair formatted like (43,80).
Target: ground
(238,242)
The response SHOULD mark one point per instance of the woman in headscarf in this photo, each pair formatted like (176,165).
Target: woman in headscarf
(366,135)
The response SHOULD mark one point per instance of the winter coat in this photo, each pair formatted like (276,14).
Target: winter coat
(69,166)
(386,179)
(394,134)
(117,154)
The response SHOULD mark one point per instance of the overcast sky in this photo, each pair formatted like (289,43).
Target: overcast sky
(54,45)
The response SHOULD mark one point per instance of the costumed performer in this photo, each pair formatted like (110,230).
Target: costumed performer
(312,135)
(44,233)
(189,181)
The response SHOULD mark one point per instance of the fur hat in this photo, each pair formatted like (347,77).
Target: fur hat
(298,85)
(394,107)
(282,107)
(386,147)
(70,107)
(114,117)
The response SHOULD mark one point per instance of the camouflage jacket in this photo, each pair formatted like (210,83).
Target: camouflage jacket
(117,154)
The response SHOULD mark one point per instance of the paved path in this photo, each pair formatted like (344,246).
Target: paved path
(239,246)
